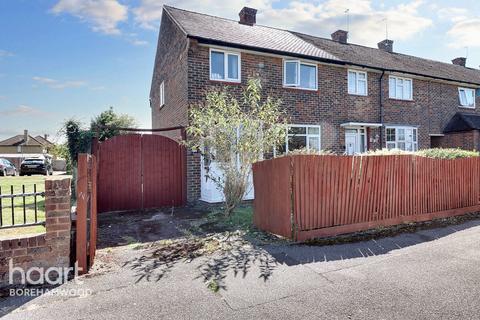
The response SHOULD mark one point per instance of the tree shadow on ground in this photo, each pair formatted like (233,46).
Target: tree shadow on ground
(216,256)
(225,253)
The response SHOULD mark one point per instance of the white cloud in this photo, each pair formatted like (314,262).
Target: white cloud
(24,111)
(57,84)
(149,12)
(465,25)
(5,53)
(367,24)
(463,33)
(137,42)
(103,15)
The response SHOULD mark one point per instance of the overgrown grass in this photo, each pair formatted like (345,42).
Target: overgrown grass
(240,219)
(17,182)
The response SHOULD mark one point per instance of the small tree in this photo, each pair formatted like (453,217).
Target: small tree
(235,135)
(107,124)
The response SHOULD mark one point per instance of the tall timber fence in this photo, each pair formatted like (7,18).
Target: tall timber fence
(307,196)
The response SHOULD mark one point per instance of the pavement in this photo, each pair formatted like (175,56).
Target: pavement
(429,274)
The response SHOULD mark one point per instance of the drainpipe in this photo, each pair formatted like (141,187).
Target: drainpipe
(381,109)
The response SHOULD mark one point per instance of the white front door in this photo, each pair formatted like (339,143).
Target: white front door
(355,140)
(350,143)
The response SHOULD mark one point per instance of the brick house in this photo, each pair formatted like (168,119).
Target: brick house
(339,96)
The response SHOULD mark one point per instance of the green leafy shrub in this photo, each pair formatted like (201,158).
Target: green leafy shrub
(305,151)
(386,152)
(437,153)
(447,153)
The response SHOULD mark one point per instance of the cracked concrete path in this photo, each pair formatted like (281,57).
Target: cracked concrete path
(430,274)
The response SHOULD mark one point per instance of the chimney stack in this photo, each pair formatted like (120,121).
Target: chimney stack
(248,16)
(45,136)
(460,61)
(340,36)
(386,45)
(25,136)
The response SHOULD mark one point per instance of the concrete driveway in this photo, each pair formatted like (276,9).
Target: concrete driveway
(430,274)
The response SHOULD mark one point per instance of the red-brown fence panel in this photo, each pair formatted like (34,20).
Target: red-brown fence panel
(341,194)
(140,171)
(272,201)
(120,173)
(164,172)
(81,243)
(93,210)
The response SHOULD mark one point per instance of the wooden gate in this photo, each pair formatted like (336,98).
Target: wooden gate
(140,171)
(86,222)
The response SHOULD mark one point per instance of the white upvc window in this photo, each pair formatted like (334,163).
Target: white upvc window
(466,97)
(357,82)
(400,88)
(299,74)
(161,94)
(303,137)
(225,66)
(403,138)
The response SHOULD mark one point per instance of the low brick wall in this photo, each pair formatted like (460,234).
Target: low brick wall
(50,249)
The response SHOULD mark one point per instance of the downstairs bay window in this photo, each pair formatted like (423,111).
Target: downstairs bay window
(403,138)
(302,137)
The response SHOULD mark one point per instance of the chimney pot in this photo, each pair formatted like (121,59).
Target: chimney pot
(25,136)
(386,45)
(248,16)
(340,36)
(460,61)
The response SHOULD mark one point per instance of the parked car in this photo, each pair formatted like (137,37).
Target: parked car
(7,168)
(31,166)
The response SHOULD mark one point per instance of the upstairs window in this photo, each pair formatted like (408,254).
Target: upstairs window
(224,66)
(400,88)
(357,82)
(299,74)
(162,94)
(466,96)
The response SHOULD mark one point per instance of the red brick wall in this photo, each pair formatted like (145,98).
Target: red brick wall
(171,68)
(432,107)
(50,249)
(468,140)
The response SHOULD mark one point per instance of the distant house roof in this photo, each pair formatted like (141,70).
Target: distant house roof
(19,140)
(44,141)
(221,31)
(463,122)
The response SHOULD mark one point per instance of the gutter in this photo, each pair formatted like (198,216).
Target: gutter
(338,62)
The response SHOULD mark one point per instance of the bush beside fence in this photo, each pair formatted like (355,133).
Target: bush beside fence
(307,196)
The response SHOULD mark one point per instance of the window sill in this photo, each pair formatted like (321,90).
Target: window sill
(300,89)
(405,100)
(226,81)
(358,94)
(465,107)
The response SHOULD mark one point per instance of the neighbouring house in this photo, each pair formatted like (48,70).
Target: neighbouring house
(24,146)
(338,96)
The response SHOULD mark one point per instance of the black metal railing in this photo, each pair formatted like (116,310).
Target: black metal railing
(10,208)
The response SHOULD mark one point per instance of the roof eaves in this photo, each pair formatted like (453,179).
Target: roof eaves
(265,50)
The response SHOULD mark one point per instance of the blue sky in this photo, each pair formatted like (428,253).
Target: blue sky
(75,58)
